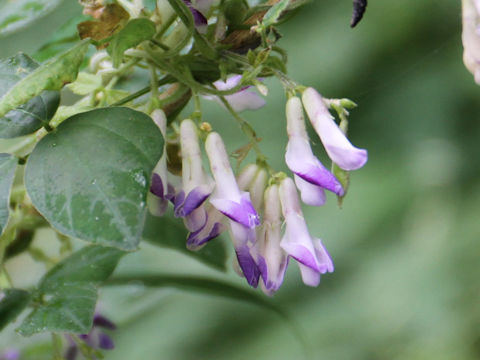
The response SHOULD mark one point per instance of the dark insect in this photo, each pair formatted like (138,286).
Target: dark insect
(359,7)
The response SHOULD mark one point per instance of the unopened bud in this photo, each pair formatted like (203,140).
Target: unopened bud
(262,89)
(348,104)
(205,126)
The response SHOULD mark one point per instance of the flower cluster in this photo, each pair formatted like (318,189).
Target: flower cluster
(253,206)
(311,176)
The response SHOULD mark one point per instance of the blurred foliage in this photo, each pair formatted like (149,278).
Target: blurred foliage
(405,243)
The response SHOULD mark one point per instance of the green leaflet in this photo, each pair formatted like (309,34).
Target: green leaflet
(274,13)
(12,303)
(67,294)
(70,308)
(170,233)
(52,75)
(90,177)
(18,14)
(8,164)
(85,84)
(32,115)
(136,31)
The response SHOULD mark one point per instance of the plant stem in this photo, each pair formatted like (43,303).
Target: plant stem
(197,113)
(249,132)
(19,148)
(165,26)
(5,279)
(163,81)
(57,346)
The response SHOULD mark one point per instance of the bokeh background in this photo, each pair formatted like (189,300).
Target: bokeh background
(406,242)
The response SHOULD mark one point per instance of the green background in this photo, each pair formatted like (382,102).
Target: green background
(405,243)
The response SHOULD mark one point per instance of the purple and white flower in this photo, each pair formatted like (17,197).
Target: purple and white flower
(311,194)
(272,259)
(253,178)
(236,205)
(244,240)
(201,22)
(244,99)
(301,160)
(227,197)
(213,227)
(338,147)
(312,257)
(203,5)
(157,198)
(471,36)
(197,185)
(246,176)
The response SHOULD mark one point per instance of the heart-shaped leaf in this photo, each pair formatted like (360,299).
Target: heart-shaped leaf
(67,294)
(90,178)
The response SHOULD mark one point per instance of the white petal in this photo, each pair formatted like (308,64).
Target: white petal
(268,242)
(297,241)
(338,148)
(245,100)
(226,185)
(311,194)
(246,176)
(193,174)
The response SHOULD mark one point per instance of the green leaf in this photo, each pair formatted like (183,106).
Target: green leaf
(90,178)
(18,14)
(85,84)
(12,303)
(274,13)
(68,293)
(64,112)
(52,75)
(70,308)
(89,264)
(31,116)
(136,31)
(170,233)
(8,164)
(114,95)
